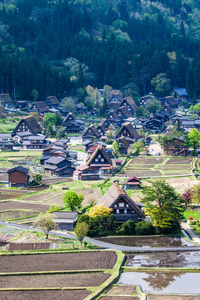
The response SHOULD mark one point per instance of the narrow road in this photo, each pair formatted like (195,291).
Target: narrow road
(107,245)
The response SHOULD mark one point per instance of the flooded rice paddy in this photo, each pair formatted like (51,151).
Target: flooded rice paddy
(163,282)
(165,260)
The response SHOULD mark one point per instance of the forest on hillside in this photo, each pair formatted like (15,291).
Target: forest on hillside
(59,47)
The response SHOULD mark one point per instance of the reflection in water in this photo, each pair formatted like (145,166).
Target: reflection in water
(163,282)
(167,260)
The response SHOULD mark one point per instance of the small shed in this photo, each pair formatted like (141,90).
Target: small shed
(18,176)
(65,220)
(133,183)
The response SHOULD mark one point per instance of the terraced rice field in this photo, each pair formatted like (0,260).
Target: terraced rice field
(153,167)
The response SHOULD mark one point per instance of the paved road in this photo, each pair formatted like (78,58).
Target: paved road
(106,245)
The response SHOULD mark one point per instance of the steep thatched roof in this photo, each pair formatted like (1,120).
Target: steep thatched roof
(98,150)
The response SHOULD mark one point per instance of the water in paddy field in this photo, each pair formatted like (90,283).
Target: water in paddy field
(165,260)
(163,282)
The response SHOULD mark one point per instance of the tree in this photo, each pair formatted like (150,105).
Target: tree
(115,147)
(37,179)
(152,106)
(99,211)
(49,118)
(138,147)
(45,222)
(68,104)
(35,94)
(165,141)
(195,194)
(194,138)
(81,231)
(72,200)
(162,84)
(164,206)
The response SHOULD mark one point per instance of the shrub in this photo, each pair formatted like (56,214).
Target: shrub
(144,228)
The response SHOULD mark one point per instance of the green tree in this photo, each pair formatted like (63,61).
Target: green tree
(195,194)
(194,138)
(152,106)
(163,204)
(165,141)
(138,147)
(37,178)
(45,222)
(162,84)
(115,147)
(35,94)
(49,118)
(81,230)
(72,200)
(68,104)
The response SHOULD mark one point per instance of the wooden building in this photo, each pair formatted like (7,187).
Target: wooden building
(65,220)
(60,166)
(127,131)
(133,183)
(91,133)
(130,104)
(27,124)
(40,107)
(99,159)
(124,208)
(18,176)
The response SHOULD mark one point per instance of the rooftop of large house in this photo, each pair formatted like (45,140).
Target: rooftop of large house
(19,169)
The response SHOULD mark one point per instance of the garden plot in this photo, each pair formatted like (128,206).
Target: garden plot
(53,280)
(146,161)
(17,214)
(44,295)
(10,205)
(58,262)
(177,161)
(42,196)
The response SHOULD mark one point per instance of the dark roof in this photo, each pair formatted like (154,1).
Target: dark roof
(41,106)
(52,99)
(130,129)
(103,153)
(67,118)
(113,193)
(93,130)
(132,179)
(122,140)
(24,133)
(32,124)
(100,125)
(55,160)
(19,169)
(181,91)
(130,102)
(65,214)
(115,116)
(124,110)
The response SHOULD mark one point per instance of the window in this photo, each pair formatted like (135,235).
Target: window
(117,211)
(127,205)
(99,155)
(102,160)
(96,159)
(125,211)
(121,204)
(115,205)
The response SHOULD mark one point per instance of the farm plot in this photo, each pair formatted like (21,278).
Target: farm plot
(17,214)
(43,196)
(153,167)
(9,205)
(44,295)
(58,262)
(53,280)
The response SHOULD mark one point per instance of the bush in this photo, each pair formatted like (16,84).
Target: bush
(144,228)
(127,228)
(84,218)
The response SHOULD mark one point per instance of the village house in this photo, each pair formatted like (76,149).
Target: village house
(124,208)
(94,113)
(18,176)
(155,123)
(146,98)
(113,119)
(130,104)
(123,113)
(123,145)
(73,125)
(81,110)
(128,132)
(6,143)
(35,142)
(60,166)
(99,159)
(91,133)
(40,107)
(132,183)
(180,94)
(85,173)
(177,147)
(52,102)
(22,104)
(114,100)
(65,220)
(169,100)
(27,124)
(101,129)
(137,123)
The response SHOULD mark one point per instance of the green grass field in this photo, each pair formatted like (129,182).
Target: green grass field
(192,213)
